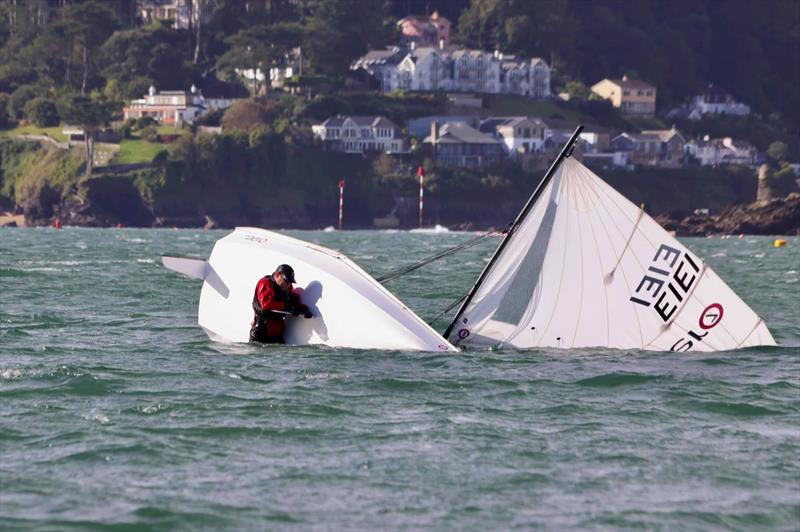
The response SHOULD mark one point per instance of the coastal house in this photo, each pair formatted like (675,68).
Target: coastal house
(672,150)
(459,144)
(360,134)
(182,13)
(659,148)
(421,127)
(443,68)
(287,66)
(381,65)
(715,152)
(716,101)
(174,107)
(551,147)
(517,134)
(425,30)
(597,139)
(632,97)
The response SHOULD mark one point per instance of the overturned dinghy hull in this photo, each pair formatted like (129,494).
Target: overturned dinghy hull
(350,308)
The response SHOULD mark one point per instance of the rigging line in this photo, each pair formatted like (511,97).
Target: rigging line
(447,309)
(411,267)
(627,243)
(758,322)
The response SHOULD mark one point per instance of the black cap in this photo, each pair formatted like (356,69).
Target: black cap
(287,272)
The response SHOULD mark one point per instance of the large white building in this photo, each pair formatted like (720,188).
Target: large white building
(715,152)
(359,134)
(716,101)
(174,107)
(456,70)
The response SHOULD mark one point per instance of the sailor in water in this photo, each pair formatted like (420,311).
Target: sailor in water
(275,299)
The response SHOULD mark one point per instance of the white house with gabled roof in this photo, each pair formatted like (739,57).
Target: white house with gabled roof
(360,134)
(432,68)
(518,134)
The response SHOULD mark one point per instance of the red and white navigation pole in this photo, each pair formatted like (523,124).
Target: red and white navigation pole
(341,203)
(421,175)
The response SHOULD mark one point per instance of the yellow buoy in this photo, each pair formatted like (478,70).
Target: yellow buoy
(779,243)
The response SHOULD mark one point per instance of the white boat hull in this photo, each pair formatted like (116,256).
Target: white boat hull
(350,308)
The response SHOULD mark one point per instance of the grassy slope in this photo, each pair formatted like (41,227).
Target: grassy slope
(136,151)
(52,132)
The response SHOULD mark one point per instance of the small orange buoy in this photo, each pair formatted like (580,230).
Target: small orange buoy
(57,223)
(779,243)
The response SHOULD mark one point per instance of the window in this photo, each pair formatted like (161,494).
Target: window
(624,93)
(639,93)
(649,93)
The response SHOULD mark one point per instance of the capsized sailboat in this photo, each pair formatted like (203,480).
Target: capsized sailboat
(350,308)
(582,266)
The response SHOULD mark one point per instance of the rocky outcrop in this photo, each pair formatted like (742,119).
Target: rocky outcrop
(779,216)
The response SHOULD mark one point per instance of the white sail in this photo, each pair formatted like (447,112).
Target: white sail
(350,308)
(588,268)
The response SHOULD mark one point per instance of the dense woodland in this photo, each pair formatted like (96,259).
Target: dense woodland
(78,61)
(751,49)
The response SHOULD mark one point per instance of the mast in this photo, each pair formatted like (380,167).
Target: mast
(566,151)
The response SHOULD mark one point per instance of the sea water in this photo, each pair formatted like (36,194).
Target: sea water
(117,412)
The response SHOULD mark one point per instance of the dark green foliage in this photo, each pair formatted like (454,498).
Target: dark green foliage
(4,118)
(152,55)
(42,112)
(398,108)
(83,111)
(18,99)
(748,48)
(214,118)
(777,151)
(143,122)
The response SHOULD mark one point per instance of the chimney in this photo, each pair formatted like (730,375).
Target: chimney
(413,46)
(496,54)
(624,77)
(434,131)
(441,44)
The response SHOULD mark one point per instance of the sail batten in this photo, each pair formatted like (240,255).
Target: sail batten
(585,267)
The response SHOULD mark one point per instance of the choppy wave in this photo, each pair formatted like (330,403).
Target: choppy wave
(118,413)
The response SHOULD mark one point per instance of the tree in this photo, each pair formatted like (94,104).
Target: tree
(87,25)
(18,99)
(90,115)
(259,48)
(3,110)
(156,53)
(777,151)
(42,112)
(245,115)
(341,30)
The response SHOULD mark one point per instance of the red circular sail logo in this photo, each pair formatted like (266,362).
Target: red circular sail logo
(711,316)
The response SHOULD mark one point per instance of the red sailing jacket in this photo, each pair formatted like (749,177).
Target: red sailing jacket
(269,296)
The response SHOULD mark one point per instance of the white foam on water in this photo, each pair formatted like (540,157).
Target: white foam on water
(435,230)
(145,261)
(93,415)
(10,373)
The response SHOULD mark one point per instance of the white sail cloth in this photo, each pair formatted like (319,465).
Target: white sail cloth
(588,268)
